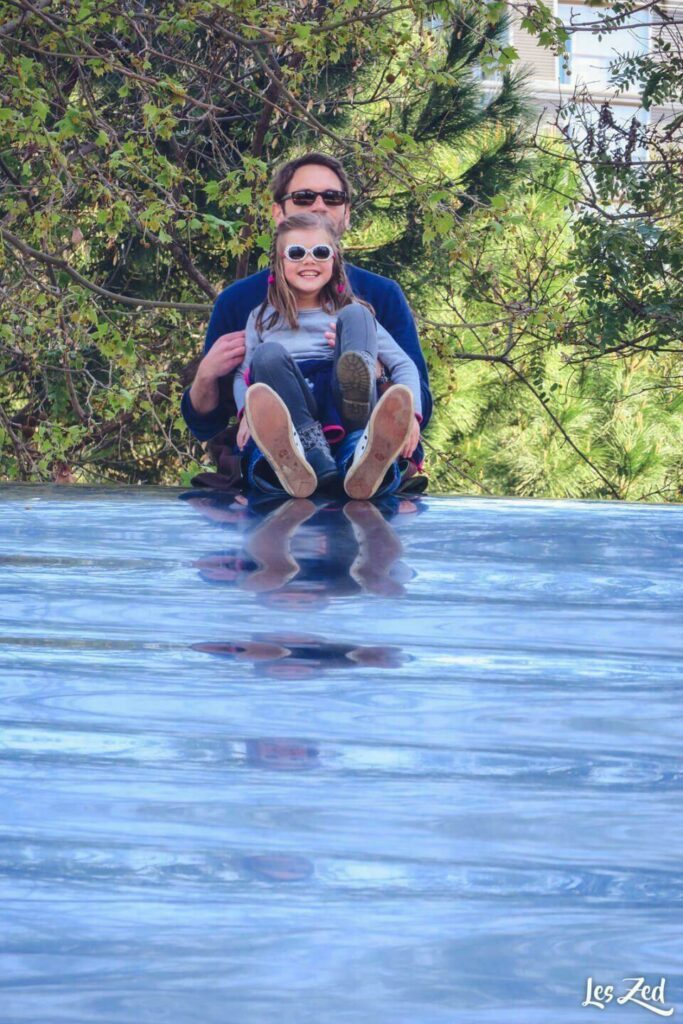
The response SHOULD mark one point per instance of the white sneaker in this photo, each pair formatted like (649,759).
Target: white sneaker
(273,431)
(384,437)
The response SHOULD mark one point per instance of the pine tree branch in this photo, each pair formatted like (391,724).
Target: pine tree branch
(449,462)
(520,376)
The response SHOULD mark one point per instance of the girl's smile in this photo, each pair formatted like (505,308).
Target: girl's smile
(308,277)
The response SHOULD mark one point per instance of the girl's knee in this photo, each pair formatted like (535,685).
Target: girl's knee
(355,314)
(268,356)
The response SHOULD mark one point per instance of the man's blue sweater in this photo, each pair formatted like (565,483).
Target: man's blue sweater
(235,303)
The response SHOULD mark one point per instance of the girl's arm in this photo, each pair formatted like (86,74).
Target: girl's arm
(401,367)
(251,340)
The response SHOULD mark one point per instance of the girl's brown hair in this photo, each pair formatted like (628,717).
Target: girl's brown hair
(336,294)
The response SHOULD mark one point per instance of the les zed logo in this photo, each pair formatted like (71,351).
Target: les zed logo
(640,994)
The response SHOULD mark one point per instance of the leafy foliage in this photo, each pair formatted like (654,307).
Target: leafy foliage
(628,253)
(526,401)
(136,143)
(135,148)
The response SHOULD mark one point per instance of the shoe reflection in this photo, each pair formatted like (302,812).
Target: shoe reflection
(378,549)
(278,867)
(281,754)
(304,552)
(270,546)
(295,656)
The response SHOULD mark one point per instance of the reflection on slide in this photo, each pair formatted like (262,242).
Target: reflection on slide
(304,552)
(298,656)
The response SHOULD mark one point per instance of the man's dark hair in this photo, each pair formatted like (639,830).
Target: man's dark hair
(282,177)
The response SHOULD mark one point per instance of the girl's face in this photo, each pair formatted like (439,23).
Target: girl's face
(307,277)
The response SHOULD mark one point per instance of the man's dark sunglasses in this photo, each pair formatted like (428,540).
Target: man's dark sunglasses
(306,197)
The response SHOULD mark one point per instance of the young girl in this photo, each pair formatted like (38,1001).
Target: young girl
(299,391)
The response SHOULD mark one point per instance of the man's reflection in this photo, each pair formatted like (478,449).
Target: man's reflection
(303,552)
(296,656)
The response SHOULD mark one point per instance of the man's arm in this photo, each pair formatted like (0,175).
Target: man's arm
(396,316)
(224,356)
(207,405)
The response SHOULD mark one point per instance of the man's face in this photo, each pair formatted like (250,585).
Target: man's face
(317,178)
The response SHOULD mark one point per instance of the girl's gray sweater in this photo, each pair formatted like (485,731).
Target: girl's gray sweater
(308,342)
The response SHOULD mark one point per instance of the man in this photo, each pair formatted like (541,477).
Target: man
(207,405)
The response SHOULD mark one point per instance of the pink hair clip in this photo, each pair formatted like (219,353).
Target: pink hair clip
(341,288)
(271,278)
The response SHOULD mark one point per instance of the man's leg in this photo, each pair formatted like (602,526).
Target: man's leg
(355,358)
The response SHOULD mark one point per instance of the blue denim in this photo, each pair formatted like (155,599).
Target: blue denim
(254,462)
(343,454)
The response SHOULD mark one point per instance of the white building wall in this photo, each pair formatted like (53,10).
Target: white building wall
(545,85)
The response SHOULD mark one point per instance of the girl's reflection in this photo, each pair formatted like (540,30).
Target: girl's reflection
(303,553)
(294,656)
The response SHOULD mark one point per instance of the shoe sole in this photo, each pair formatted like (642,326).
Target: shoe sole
(388,431)
(355,383)
(272,429)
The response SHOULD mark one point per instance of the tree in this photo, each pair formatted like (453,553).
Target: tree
(578,267)
(628,252)
(135,145)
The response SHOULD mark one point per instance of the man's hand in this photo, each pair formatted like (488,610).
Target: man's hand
(224,356)
(413,440)
(243,434)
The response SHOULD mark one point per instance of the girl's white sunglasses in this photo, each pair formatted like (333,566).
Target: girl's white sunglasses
(296,253)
